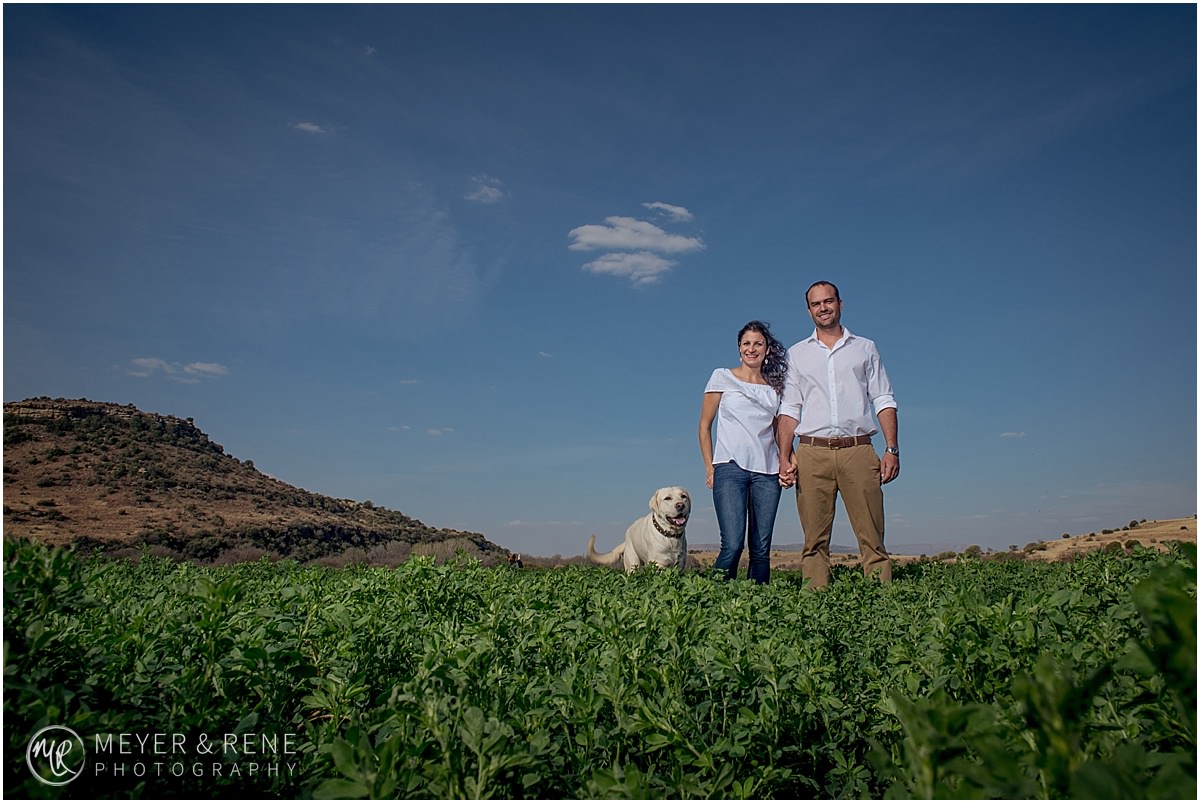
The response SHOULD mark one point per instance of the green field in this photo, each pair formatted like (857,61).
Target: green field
(979,679)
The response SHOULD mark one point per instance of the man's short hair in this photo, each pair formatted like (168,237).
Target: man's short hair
(836,294)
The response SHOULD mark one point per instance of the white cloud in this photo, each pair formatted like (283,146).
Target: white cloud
(206,369)
(145,366)
(487,190)
(441,431)
(546,354)
(629,233)
(310,128)
(641,267)
(637,245)
(1012,434)
(677,214)
(190,373)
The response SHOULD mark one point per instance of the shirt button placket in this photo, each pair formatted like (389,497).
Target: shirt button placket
(831,381)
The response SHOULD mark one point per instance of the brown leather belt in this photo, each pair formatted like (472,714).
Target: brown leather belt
(834,443)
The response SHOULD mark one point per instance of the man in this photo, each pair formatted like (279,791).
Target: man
(835,380)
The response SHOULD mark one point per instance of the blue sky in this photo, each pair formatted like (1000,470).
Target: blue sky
(477,263)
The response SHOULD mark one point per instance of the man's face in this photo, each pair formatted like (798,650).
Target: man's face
(824,307)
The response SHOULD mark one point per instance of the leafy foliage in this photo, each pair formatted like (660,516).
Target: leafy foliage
(981,679)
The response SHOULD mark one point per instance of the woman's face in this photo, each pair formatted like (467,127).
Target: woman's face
(753,349)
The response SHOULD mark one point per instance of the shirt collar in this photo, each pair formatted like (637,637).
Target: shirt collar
(846,337)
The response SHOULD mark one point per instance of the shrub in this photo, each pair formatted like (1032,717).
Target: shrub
(392,553)
(244,553)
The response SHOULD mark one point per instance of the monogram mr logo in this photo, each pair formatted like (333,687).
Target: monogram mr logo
(55,755)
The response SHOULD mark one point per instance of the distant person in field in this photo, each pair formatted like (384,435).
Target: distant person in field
(835,379)
(514,561)
(742,466)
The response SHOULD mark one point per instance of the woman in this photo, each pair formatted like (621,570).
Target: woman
(743,467)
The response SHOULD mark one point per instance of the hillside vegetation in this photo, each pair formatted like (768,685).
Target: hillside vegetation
(111,477)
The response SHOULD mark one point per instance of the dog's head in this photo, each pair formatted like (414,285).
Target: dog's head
(672,505)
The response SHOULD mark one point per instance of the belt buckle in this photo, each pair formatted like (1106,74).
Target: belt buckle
(836,442)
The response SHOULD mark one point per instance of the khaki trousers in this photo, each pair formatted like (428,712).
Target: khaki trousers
(823,473)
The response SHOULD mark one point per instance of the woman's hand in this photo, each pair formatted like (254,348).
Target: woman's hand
(787,473)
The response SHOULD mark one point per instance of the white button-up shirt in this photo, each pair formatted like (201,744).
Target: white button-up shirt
(832,392)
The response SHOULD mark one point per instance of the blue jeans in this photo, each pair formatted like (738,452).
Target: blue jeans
(746,503)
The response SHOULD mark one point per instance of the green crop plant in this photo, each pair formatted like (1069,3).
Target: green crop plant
(978,679)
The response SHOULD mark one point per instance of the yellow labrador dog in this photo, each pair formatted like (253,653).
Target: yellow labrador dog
(658,537)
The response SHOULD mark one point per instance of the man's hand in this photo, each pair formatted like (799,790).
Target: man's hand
(889,468)
(787,473)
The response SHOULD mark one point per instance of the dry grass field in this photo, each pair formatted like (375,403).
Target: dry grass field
(1150,534)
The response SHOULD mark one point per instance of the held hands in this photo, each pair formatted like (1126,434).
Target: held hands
(787,473)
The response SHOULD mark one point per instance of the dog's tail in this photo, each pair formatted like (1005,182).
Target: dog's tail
(610,559)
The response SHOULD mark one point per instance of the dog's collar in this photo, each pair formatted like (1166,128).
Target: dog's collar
(658,527)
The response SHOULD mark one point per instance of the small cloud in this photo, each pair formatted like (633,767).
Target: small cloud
(438,432)
(1012,434)
(627,233)
(206,369)
(189,374)
(368,50)
(145,366)
(411,381)
(310,128)
(638,244)
(641,268)
(677,214)
(545,354)
(487,190)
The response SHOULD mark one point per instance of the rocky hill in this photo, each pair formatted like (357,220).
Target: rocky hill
(111,477)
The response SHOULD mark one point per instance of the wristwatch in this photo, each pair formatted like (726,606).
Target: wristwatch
(893,450)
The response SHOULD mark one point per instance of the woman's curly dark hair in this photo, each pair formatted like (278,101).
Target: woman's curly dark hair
(774,368)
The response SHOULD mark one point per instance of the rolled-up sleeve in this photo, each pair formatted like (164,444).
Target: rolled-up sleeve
(879,387)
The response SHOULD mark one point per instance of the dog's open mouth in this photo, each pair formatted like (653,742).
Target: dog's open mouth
(678,521)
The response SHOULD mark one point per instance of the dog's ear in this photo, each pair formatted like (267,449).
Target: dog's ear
(654,500)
